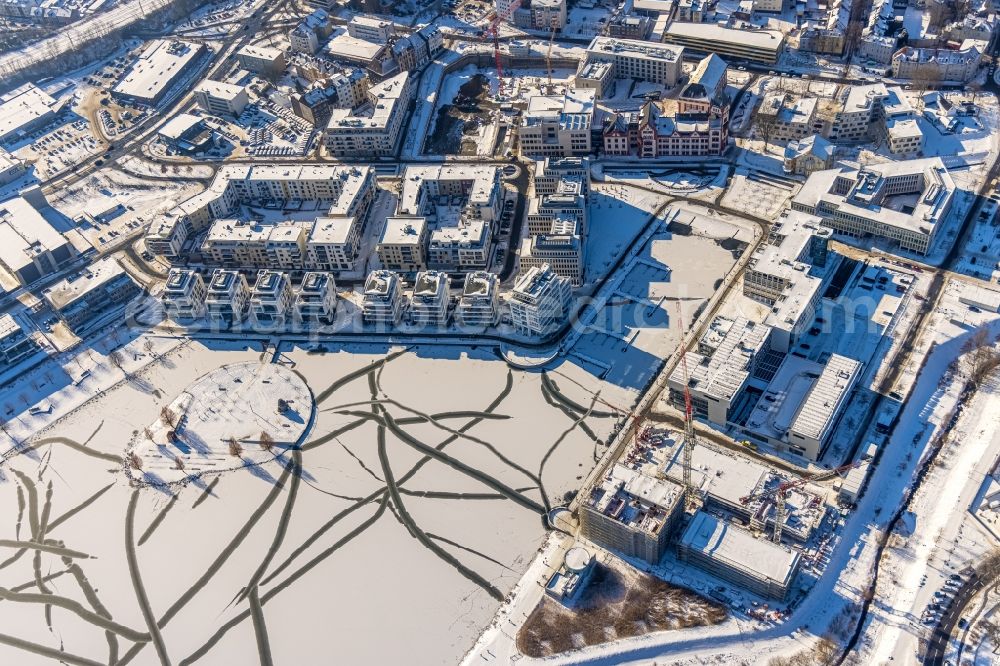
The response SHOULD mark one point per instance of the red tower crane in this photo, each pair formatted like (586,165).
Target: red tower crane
(494,30)
(780,493)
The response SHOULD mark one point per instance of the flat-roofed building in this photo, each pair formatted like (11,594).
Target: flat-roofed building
(24,110)
(719,371)
(733,554)
(632,513)
(184,294)
(598,75)
(476,188)
(316,298)
(372,130)
(705,38)
(561,249)
(228,298)
(333,243)
(382,302)
(566,203)
(878,200)
(790,116)
(403,244)
(11,168)
(636,59)
(371,29)
(262,60)
(795,242)
(430,300)
(221,99)
(540,301)
(161,64)
(15,345)
(550,171)
(30,248)
(460,248)
(271,299)
(558,125)
(625,26)
(185,134)
(479,304)
(84,300)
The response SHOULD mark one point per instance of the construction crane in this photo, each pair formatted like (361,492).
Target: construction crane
(548,54)
(494,30)
(779,495)
(690,495)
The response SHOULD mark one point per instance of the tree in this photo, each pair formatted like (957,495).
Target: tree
(235,450)
(178,463)
(148,433)
(766,124)
(148,346)
(282,405)
(266,441)
(134,461)
(117,359)
(979,356)
(168,416)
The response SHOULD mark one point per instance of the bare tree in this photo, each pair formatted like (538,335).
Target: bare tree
(168,416)
(766,124)
(118,360)
(235,450)
(178,463)
(148,346)
(148,433)
(134,461)
(282,405)
(980,356)
(266,441)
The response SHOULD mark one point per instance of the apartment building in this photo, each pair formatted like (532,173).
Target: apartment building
(334,243)
(477,189)
(939,64)
(371,29)
(271,300)
(316,298)
(374,129)
(228,298)
(540,301)
(557,126)
(479,304)
(262,60)
(307,36)
(790,116)
(460,248)
(430,300)
(86,300)
(403,245)
(221,99)
(382,302)
(184,294)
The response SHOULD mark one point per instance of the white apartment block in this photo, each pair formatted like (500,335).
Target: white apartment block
(334,243)
(558,126)
(373,130)
(461,248)
(635,59)
(271,299)
(228,298)
(316,298)
(479,304)
(184,294)
(371,29)
(383,298)
(403,244)
(550,171)
(540,302)
(567,203)
(879,201)
(548,14)
(221,99)
(430,299)
(478,187)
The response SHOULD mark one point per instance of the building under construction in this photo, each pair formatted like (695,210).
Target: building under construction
(632,513)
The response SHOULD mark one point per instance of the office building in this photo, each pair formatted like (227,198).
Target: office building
(561,249)
(632,513)
(25,110)
(744,45)
(15,345)
(734,555)
(557,126)
(161,64)
(634,59)
(371,29)
(30,248)
(221,99)
(262,60)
